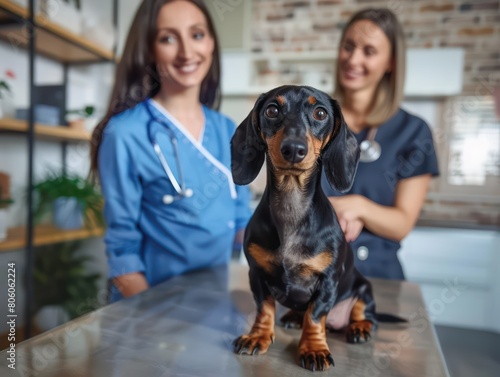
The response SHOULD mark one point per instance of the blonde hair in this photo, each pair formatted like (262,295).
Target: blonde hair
(389,92)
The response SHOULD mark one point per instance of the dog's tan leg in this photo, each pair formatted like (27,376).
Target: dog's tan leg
(359,329)
(314,353)
(261,335)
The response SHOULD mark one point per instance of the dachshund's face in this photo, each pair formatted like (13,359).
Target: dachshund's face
(297,126)
(295,123)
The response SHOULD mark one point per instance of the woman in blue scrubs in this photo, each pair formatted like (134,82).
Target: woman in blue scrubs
(393,177)
(161,123)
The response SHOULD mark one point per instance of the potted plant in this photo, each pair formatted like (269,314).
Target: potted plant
(64,289)
(81,118)
(6,101)
(73,201)
(5,202)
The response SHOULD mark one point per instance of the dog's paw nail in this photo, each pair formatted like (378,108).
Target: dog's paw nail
(330,360)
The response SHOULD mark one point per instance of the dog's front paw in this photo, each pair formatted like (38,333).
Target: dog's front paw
(253,343)
(292,319)
(359,332)
(315,357)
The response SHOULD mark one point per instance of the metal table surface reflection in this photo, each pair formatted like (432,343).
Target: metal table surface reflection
(185,327)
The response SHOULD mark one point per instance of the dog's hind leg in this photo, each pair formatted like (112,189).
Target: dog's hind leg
(362,319)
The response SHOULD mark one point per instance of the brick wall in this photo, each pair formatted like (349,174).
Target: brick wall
(315,25)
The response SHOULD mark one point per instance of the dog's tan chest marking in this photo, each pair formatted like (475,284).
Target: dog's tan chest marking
(317,264)
(264,258)
(291,260)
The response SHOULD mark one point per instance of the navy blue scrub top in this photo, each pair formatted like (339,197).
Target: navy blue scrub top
(407,151)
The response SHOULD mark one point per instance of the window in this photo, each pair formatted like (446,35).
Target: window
(469,147)
(467,139)
(474,147)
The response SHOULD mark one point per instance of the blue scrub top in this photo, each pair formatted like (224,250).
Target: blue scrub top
(164,240)
(407,151)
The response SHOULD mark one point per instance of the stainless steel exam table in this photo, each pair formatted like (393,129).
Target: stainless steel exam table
(185,327)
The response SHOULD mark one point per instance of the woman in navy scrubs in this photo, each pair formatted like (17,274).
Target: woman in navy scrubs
(393,176)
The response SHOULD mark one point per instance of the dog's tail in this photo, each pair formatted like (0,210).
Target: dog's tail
(389,318)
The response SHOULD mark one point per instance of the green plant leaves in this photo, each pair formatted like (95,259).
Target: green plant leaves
(61,278)
(70,186)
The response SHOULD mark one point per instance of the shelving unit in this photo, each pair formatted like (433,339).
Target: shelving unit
(52,40)
(56,133)
(46,235)
(22,28)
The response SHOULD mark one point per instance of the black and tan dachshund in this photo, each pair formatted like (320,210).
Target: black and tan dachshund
(294,245)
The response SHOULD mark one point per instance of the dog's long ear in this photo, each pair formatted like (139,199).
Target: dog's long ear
(341,155)
(247,148)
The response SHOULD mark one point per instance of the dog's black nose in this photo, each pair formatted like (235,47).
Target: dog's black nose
(293,150)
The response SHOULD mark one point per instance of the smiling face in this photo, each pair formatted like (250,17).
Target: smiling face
(364,57)
(183,47)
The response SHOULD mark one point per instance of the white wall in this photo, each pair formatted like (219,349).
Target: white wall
(126,12)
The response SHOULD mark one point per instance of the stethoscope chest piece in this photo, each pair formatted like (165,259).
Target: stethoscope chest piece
(370,149)
(169,199)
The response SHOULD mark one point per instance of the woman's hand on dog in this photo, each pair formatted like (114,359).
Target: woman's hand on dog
(349,210)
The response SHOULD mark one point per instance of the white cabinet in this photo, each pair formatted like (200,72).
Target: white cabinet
(250,74)
(429,72)
(457,270)
(434,72)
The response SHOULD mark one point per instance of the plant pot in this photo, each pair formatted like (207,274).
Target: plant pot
(68,213)
(7,107)
(3,224)
(50,316)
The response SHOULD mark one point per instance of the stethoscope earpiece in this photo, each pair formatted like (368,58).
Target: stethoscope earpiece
(370,149)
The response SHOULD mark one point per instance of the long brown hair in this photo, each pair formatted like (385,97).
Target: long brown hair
(389,93)
(136,75)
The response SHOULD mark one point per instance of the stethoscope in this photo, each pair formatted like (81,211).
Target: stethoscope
(182,191)
(370,149)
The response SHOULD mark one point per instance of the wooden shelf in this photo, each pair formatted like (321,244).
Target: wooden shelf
(42,131)
(52,40)
(45,235)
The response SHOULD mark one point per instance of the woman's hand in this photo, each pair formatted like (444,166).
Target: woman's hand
(393,222)
(131,284)
(349,210)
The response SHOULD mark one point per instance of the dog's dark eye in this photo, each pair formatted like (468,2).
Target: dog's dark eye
(319,113)
(272,111)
